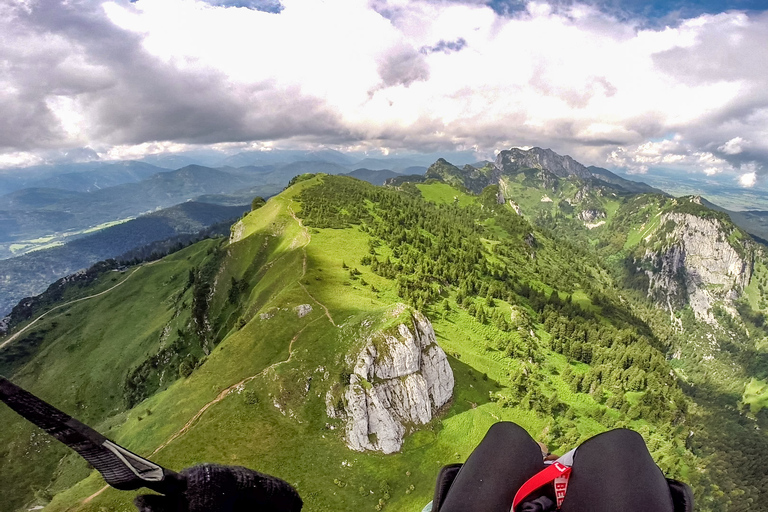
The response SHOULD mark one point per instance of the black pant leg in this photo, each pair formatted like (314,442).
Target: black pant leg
(614,472)
(505,458)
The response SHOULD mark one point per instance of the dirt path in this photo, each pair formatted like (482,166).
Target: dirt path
(308,237)
(16,335)
(327,313)
(221,396)
(228,390)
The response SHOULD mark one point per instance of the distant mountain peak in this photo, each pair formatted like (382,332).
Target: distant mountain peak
(515,159)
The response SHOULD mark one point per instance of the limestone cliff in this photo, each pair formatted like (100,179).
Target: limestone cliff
(398,380)
(696,259)
(514,159)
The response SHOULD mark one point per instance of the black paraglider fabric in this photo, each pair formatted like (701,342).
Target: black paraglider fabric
(215,488)
(540,504)
(682,495)
(81,438)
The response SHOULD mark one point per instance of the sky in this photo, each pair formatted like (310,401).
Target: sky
(622,84)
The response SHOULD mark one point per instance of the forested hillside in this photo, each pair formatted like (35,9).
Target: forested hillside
(239,351)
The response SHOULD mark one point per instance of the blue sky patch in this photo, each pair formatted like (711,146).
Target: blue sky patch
(653,11)
(273,6)
(445,46)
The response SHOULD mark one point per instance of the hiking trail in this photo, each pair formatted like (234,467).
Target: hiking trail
(221,396)
(308,238)
(16,335)
(225,392)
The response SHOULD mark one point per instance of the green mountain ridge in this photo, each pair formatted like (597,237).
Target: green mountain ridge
(28,275)
(238,351)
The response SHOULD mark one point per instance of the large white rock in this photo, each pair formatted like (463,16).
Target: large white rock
(397,380)
(370,425)
(438,375)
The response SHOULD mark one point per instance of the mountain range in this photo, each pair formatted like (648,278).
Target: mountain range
(28,275)
(41,212)
(31,214)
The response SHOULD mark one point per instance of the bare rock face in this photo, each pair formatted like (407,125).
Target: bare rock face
(696,262)
(236,232)
(591,215)
(536,158)
(400,378)
(303,310)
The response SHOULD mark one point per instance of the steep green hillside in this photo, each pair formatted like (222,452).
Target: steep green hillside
(229,350)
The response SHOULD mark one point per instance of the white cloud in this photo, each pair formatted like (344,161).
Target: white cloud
(748,179)
(672,153)
(733,146)
(19,159)
(132,77)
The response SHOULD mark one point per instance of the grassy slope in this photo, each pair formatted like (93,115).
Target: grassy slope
(286,432)
(75,367)
(756,394)
(444,193)
(227,433)
(755,291)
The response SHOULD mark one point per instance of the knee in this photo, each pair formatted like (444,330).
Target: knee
(622,436)
(506,431)
(620,440)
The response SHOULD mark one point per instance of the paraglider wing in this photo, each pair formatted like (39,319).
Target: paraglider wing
(121,468)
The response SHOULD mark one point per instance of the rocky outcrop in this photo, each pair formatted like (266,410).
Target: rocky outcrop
(691,259)
(399,380)
(591,215)
(583,193)
(303,310)
(469,177)
(515,159)
(237,232)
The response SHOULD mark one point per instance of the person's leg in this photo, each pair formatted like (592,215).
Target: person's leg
(500,464)
(614,471)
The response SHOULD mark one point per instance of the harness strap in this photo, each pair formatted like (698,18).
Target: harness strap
(556,473)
